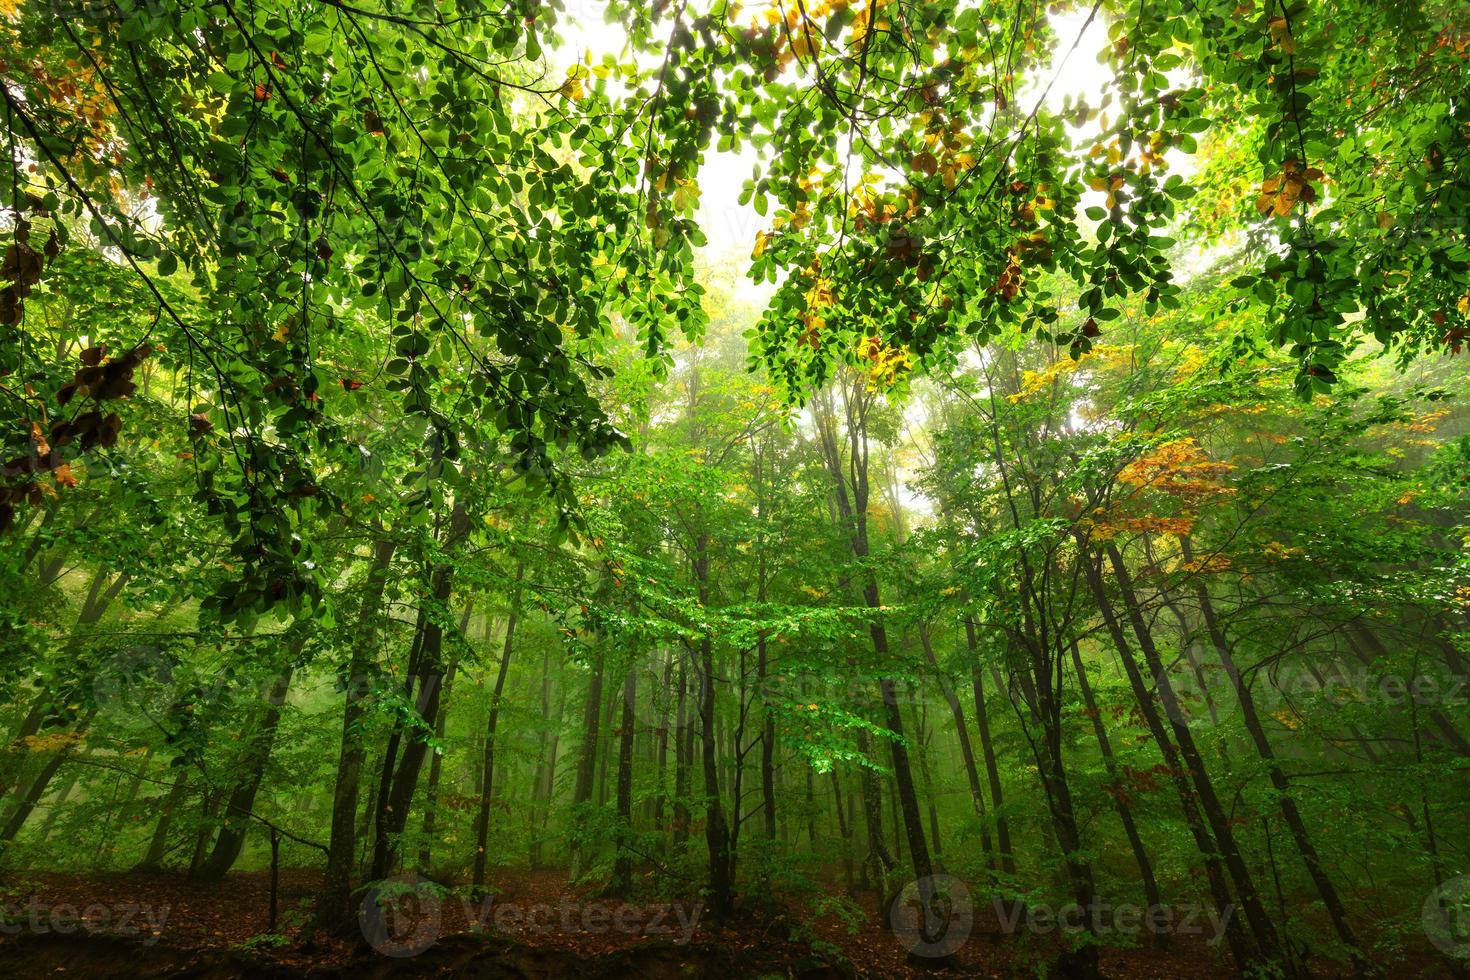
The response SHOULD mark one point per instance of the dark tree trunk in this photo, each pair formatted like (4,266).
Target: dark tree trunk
(32,796)
(661,742)
(544,779)
(587,760)
(100,596)
(436,764)
(482,818)
(1125,810)
(430,676)
(1246,955)
(333,905)
(1250,900)
(768,747)
(240,805)
(987,747)
(1289,812)
(716,831)
(967,751)
(158,844)
(622,878)
(683,758)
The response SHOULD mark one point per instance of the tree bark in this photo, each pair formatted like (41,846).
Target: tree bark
(1246,954)
(622,879)
(240,805)
(1289,811)
(1250,900)
(436,764)
(1125,812)
(158,844)
(967,751)
(430,675)
(482,818)
(987,747)
(587,760)
(332,908)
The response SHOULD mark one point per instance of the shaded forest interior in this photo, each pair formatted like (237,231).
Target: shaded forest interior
(868,488)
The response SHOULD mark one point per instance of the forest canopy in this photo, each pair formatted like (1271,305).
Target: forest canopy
(843,464)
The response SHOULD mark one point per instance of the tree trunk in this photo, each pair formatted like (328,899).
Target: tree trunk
(100,596)
(768,746)
(436,764)
(332,909)
(716,832)
(1125,811)
(967,751)
(430,675)
(240,806)
(482,818)
(622,879)
(545,776)
(1289,811)
(681,762)
(1250,900)
(587,760)
(27,803)
(987,747)
(158,845)
(1246,956)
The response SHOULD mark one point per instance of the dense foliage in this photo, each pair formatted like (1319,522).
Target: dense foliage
(1067,496)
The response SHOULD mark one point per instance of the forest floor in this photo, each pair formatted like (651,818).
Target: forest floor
(165,925)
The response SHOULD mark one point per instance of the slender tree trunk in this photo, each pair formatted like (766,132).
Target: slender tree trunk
(1289,811)
(335,899)
(1125,810)
(660,799)
(1250,900)
(604,756)
(681,762)
(768,746)
(919,712)
(27,803)
(1246,955)
(208,805)
(844,827)
(430,690)
(100,595)
(622,879)
(587,761)
(544,778)
(158,844)
(436,764)
(240,805)
(853,513)
(482,818)
(987,747)
(716,831)
(967,751)
(57,805)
